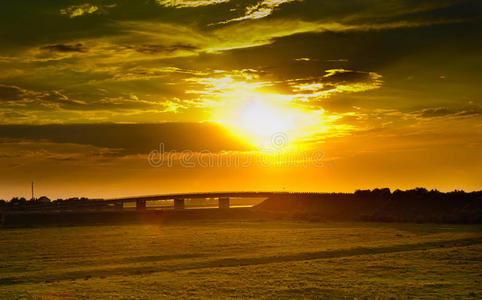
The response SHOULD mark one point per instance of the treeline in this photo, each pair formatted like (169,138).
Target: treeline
(416,205)
(21,202)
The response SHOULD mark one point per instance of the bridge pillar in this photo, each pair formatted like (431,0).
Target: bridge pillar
(179,203)
(119,205)
(140,204)
(223,202)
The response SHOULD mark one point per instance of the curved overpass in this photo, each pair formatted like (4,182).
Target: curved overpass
(223,197)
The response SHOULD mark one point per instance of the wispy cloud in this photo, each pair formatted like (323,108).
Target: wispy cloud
(189,3)
(264,32)
(260,10)
(15,96)
(138,40)
(146,73)
(79,47)
(437,112)
(79,10)
(239,85)
(337,81)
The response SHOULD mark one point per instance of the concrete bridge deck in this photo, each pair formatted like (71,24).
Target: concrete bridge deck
(179,199)
(141,201)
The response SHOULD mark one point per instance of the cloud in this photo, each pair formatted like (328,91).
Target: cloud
(146,73)
(14,96)
(154,49)
(23,151)
(131,104)
(265,32)
(337,60)
(189,3)
(334,81)
(435,112)
(143,41)
(57,52)
(79,47)
(70,71)
(11,93)
(79,10)
(259,10)
(221,85)
(132,138)
(21,105)
(235,85)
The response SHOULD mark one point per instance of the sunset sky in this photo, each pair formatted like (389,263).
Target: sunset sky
(371,93)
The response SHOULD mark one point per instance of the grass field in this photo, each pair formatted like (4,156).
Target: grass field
(242,259)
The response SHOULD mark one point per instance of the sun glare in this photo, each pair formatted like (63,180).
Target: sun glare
(258,119)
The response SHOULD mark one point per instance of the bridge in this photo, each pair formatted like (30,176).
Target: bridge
(179,199)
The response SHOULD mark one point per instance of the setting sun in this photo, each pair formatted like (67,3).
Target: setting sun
(262,121)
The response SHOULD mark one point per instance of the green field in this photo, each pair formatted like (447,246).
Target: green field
(242,259)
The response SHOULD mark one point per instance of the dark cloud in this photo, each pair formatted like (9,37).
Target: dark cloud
(151,49)
(10,93)
(33,100)
(436,112)
(14,115)
(442,112)
(342,75)
(18,101)
(66,48)
(334,81)
(470,112)
(54,96)
(132,138)
(335,77)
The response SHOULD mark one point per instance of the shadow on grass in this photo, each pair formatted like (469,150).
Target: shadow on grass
(231,262)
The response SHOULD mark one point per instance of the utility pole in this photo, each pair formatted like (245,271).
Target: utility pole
(32,192)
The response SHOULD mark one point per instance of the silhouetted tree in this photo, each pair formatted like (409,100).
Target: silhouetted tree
(43,199)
